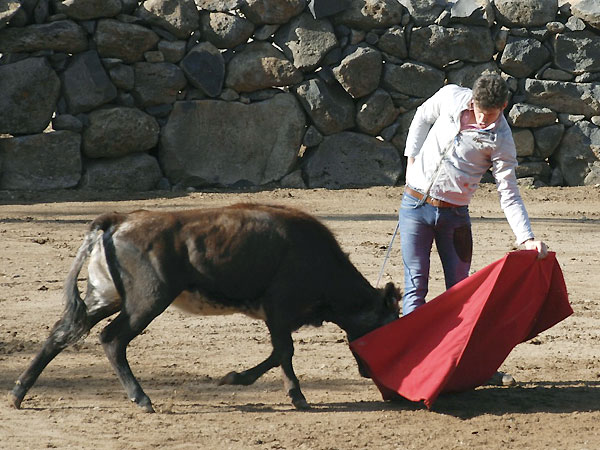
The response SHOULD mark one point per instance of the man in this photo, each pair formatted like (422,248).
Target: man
(454,138)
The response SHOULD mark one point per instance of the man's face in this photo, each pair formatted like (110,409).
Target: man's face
(486,116)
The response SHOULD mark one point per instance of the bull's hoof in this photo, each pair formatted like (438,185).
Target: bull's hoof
(301,404)
(231,378)
(145,405)
(15,400)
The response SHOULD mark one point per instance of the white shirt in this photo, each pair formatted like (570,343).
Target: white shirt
(449,163)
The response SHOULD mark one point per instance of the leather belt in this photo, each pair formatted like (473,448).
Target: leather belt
(432,201)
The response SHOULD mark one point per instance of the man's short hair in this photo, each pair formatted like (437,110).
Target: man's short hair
(490,91)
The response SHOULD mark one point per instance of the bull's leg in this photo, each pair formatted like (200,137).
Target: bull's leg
(290,381)
(118,334)
(55,343)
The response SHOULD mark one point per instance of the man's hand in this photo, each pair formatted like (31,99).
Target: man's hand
(540,246)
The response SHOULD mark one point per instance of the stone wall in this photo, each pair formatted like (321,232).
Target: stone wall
(171,94)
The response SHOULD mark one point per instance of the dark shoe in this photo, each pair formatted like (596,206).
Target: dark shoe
(501,379)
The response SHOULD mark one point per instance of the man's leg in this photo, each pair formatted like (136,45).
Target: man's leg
(416,236)
(454,243)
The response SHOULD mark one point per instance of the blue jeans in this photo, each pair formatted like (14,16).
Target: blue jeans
(420,225)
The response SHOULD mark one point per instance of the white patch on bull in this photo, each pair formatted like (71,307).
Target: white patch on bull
(101,288)
(196,303)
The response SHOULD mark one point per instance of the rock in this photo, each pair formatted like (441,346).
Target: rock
(219,5)
(438,46)
(578,154)
(174,51)
(225,30)
(564,97)
(414,79)
(305,41)
(118,131)
(359,73)
(525,13)
(87,9)
(330,108)
(157,83)
(547,139)
(369,14)
(466,75)
(588,11)
(41,162)
(538,170)
(260,66)
(472,12)
(61,36)
(575,24)
(8,9)
(205,69)
(393,42)
(312,137)
(86,84)
(324,8)
(375,112)
(556,74)
(272,11)
(29,90)
(577,52)
(67,122)
(522,57)
(523,141)
(293,180)
(211,142)
(111,34)
(349,159)
(178,17)
(523,115)
(137,172)
(423,12)
(122,76)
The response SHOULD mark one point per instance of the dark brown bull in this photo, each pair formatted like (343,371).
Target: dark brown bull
(269,262)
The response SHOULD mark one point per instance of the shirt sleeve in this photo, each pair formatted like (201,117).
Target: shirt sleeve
(504,161)
(424,118)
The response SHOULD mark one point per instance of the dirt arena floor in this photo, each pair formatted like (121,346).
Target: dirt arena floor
(79,403)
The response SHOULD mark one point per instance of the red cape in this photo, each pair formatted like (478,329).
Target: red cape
(458,340)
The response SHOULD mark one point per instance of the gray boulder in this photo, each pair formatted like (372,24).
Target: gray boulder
(472,12)
(375,112)
(260,66)
(564,97)
(86,84)
(67,122)
(219,5)
(424,12)
(29,90)
(369,14)
(325,8)
(577,52)
(114,132)
(272,11)
(577,155)
(547,139)
(61,36)
(204,68)
(523,141)
(111,34)
(87,9)
(330,108)
(393,42)
(157,83)
(414,79)
(523,56)
(359,73)
(178,17)
(437,46)
(525,13)
(8,9)
(524,115)
(349,159)
(588,11)
(41,162)
(173,51)
(211,142)
(137,172)
(122,76)
(225,30)
(466,75)
(306,40)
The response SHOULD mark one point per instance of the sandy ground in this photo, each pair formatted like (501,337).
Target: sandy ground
(78,402)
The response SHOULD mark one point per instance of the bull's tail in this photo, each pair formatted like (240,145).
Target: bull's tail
(74,324)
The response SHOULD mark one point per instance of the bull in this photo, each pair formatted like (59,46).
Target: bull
(269,262)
